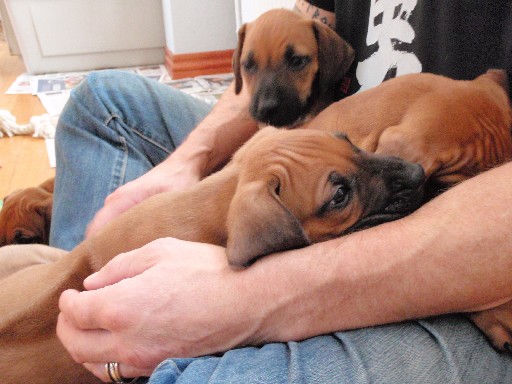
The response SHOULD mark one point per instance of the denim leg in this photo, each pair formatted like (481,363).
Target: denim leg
(440,350)
(115,127)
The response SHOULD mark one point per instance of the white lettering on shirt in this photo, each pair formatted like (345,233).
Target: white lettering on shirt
(387,26)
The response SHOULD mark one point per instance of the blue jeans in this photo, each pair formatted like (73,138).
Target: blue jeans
(117,126)
(441,350)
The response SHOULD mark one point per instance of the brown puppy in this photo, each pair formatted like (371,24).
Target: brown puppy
(283,189)
(26,215)
(453,128)
(292,66)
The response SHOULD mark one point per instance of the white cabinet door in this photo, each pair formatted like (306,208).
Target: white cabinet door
(68,35)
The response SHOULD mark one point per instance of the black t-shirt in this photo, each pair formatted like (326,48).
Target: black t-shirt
(460,39)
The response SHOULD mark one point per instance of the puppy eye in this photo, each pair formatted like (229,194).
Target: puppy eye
(20,238)
(297,63)
(340,197)
(250,65)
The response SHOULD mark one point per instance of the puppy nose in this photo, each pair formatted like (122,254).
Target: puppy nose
(267,108)
(416,175)
(406,176)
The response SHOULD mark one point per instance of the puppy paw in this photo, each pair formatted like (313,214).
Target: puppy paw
(496,324)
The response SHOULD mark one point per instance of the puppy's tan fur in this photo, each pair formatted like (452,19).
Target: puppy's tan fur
(291,65)
(26,215)
(283,189)
(453,128)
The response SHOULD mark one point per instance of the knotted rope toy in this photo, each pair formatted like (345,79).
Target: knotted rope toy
(39,126)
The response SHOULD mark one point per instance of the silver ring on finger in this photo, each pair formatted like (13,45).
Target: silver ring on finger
(114,374)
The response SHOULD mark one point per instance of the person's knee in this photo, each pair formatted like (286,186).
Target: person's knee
(92,102)
(102,88)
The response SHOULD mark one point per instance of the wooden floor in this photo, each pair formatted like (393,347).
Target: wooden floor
(23,159)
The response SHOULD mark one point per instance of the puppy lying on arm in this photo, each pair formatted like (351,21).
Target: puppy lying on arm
(282,190)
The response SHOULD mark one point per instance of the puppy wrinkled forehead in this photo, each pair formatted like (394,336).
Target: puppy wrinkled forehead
(299,148)
(271,34)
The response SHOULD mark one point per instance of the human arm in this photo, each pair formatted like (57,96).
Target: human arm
(207,148)
(452,255)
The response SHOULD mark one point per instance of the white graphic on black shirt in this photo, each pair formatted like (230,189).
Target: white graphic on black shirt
(388,26)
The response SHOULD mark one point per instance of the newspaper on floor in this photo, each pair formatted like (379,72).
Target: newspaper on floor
(208,88)
(54,90)
(58,82)
(54,102)
(50,150)
(22,85)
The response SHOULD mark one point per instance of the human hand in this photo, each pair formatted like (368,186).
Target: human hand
(170,298)
(168,176)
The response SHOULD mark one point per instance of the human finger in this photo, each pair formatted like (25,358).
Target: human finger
(125,370)
(123,266)
(97,309)
(83,309)
(97,346)
(93,345)
(113,207)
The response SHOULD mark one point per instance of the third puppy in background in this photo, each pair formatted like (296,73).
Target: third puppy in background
(26,215)
(292,66)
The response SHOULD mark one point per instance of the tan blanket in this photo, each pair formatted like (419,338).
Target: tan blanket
(16,257)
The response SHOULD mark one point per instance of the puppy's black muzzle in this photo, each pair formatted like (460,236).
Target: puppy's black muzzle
(275,102)
(404,184)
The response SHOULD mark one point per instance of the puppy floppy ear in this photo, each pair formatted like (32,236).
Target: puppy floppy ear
(236,59)
(259,224)
(500,77)
(45,210)
(335,55)
(48,185)
(40,219)
(47,224)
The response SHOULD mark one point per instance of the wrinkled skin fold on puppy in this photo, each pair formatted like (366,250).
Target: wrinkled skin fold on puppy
(313,185)
(313,191)
(454,128)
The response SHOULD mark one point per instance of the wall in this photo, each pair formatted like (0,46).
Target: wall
(199,25)
(248,10)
